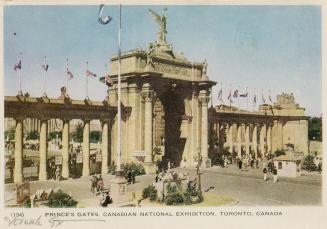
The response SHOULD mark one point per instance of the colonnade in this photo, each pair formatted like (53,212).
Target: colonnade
(34,124)
(245,138)
(43,150)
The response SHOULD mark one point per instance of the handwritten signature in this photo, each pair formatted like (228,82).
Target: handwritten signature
(19,221)
(55,221)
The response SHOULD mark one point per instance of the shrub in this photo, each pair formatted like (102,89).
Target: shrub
(150,192)
(279,153)
(309,164)
(137,168)
(61,200)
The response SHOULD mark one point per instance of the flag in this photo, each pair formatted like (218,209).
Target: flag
(244,95)
(90,74)
(103,19)
(220,94)
(270,99)
(69,74)
(230,97)
(18,66)
(235,93)
(108,80)
(45,67)
(254,99)
(263,99)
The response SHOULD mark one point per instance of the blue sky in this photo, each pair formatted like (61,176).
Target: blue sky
(266,48)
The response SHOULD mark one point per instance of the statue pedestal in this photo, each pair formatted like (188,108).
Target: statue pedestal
(118,190)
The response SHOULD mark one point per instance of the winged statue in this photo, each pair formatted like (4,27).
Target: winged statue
(161,20)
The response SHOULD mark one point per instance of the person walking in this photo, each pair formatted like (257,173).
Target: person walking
(274,171)
(93,183)
(100,184)
(264,174)
(57,173)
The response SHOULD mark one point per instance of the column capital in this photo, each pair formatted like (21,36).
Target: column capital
(148,96)
(204,99)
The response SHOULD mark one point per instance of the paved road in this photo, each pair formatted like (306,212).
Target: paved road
(248,188)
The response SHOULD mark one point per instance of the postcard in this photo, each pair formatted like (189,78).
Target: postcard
(124,114)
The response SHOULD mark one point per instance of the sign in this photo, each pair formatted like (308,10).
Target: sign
(79,158)
(23,192)
(58,160)
(98,158)
(140,153)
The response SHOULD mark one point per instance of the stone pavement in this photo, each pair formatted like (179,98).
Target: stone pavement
(247,187)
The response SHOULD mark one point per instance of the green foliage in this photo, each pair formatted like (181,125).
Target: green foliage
(95,136)
(173,196)
(309,164)
(53,135)
(61,200)
(32,135)
(78,133)
(10,133)
(315,128)
(279,152)
(150,192)
(138,169)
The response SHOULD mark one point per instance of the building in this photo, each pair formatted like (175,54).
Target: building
(261,133)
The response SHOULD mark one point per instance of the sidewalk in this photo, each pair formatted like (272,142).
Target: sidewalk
(231,170)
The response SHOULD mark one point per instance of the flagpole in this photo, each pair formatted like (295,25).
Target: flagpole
(44,76)
(87,81)
(19,76)
(119,98)
(247,99)
(67,76)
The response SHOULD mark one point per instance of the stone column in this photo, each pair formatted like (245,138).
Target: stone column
(43,151)
(255,140)
(105,146)
(230,137)
(147,94)
(18,173)
(263,135)
(65,148)
(86,148)
(204,99)
(269,139)
(239,141)
(247,139)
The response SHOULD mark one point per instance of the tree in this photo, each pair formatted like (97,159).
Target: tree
(309,164)
(279,152)
(315,128)
(78,133)
(95,136)
(32,135)
(53,135)
(10,134)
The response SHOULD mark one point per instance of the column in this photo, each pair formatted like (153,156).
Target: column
(65,148)
(255,140)
(230,137)
(204,99)
(147,96)
(105,146)
(86,148)
(269,139)
(18,174)
(43,150)
(263,135)
(194,126)
(247,139)
(239,141)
